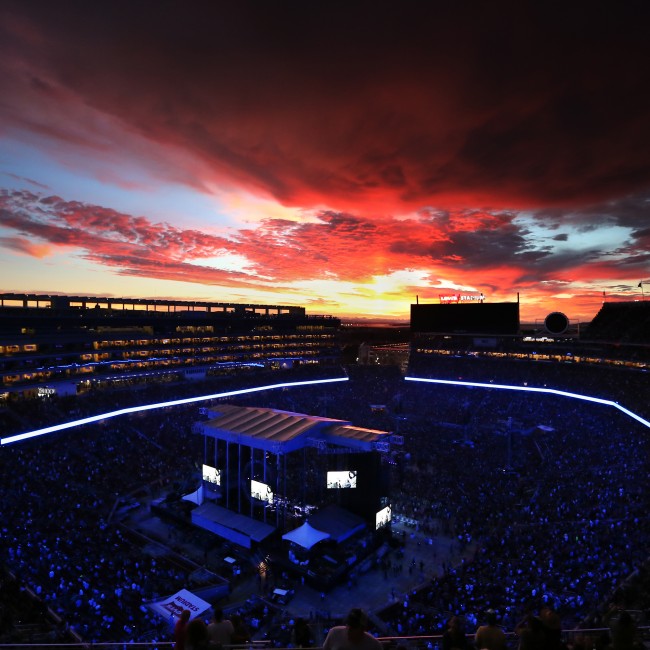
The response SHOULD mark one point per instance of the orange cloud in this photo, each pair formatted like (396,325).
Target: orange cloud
(26,247)
(374,256)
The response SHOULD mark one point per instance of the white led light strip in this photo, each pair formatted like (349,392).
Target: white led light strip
(189,400)
(151,407)
(530,389)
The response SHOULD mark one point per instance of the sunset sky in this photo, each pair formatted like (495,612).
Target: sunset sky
(343,156)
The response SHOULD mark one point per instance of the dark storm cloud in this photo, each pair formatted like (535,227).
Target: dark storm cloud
(467,238)
(364,106)
(629,211)
(642,234)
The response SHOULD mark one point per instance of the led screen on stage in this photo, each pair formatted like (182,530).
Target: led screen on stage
(212,474)
(383,517)
(344,479)
(261,491)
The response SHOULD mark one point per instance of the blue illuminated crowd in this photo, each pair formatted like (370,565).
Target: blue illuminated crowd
(550,492)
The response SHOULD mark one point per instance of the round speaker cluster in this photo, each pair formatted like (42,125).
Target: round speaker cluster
(556,323)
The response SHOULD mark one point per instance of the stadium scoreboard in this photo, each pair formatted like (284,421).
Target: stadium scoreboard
(496,319)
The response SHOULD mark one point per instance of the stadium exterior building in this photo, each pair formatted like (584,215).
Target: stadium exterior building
(70,344)
(618,336)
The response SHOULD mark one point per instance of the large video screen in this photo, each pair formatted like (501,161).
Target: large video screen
(261,491)
(383,517)
(211,474)
(472,318)
(342,479)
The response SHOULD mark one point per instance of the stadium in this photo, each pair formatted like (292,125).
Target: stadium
(167,456)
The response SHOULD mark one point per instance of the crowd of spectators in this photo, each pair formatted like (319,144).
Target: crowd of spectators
(549,491)
(628,387)
(58,494)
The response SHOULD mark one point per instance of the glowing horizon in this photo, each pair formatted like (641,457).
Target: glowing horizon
(226,155)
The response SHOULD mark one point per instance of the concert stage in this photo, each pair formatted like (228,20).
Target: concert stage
(313,490)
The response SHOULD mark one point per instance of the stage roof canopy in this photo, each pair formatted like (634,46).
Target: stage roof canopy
(338,522)
(283,431)
(306,536)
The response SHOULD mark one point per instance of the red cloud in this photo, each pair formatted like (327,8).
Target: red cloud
(495,257)
(133,245)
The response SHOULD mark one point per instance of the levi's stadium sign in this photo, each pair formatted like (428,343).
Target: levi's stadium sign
(461,297)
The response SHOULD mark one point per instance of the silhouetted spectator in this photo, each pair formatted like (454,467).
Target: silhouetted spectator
(180,630)
(351,635)
(454,637)
(220,629)
(301,634)
(490,636)
(196,635)
(240,633)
